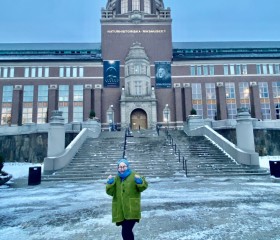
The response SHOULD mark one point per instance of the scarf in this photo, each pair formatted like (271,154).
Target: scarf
(124,175)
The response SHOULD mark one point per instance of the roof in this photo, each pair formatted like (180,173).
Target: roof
(48,46)
(226,45)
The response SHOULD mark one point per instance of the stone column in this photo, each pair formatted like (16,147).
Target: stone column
(221,101)
(17,105)
(56,134)
(244,130)
(188,100)
(178,106)
(255,101)
(98,102)
(87,101)
(52,100)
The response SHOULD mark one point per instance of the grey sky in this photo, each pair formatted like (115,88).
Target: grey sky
(193,20)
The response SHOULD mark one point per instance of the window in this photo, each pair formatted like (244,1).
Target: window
(264,67)
(78,93)
(277,69)
(205,70)
(270,69)
(81,72)
(244,92)
(7,94)
(42,106)
(225,69)
(199,70)
(12,72)
(197,98)
(259,70)
(264,99)
(138,88)
(192,70)
(33,72)
(78,103)
(26,72)
(232,72)
(40,72)
(5,72)
(7,99)
(238,69)
(212,70)
(27,110)
(61,72)
(75,72)
(63,93)
(43,93)
(68,72)
(211,100)
(47,70)
(244,69)
(28,91)
(63,98)
(276,98)
(231,100)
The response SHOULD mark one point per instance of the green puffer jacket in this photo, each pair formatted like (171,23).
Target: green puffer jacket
(126,195)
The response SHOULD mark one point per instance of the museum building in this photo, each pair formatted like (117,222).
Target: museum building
(137,76)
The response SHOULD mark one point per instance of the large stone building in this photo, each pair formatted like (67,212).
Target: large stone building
(137,76)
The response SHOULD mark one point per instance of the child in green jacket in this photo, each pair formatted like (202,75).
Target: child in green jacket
(126,190)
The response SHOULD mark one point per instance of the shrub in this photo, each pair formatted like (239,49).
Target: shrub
(92,114)
(193,111)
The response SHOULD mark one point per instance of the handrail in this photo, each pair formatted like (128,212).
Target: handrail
(176,151)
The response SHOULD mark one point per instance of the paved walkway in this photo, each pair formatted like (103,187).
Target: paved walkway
(183,208)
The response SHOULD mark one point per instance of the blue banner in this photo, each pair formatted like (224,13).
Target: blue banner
(163,74)
(111,74)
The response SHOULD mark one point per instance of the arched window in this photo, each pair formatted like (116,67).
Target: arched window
(147,6)
(135,5)
(124,6)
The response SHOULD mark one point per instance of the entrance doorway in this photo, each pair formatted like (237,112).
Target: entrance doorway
(138,119)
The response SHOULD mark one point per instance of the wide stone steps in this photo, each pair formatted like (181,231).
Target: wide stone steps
(206,159)
(152,156)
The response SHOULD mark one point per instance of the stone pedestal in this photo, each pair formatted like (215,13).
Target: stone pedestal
(244,131)
(56,134)
(195,121)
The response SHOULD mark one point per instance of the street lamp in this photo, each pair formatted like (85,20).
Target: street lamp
(166,115)
(110,117)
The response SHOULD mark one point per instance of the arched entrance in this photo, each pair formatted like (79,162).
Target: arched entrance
(138,119)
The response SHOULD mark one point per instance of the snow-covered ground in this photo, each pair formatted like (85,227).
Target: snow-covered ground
(172,209)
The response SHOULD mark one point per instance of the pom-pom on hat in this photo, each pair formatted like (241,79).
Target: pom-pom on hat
(124,161)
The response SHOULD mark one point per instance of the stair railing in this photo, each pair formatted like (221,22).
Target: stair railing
(177,151)
(127,134)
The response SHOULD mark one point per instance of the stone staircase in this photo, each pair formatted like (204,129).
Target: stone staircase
(206,159)
(150,155)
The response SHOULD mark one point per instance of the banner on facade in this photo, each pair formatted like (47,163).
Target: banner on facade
(163,74)
(111,74)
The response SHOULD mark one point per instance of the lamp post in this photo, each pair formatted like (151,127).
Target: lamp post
(110,117)
(166,114)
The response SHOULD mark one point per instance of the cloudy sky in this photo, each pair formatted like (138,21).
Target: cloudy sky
(193,20)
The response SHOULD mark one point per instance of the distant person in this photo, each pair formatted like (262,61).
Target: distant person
(126,188)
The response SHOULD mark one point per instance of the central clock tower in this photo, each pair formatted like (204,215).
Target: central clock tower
(137,33)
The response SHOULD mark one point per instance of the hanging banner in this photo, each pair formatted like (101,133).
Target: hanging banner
(111,74)
(163,74)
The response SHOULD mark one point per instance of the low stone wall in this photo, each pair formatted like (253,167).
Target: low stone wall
(28,147)
(266,140)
